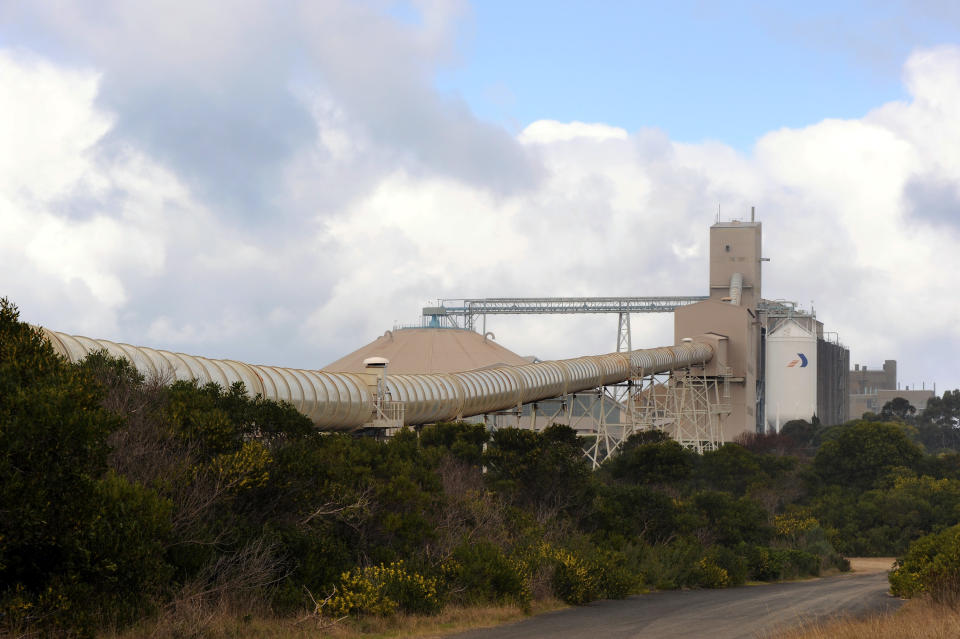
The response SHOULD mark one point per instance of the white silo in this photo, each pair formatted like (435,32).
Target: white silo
(790,386)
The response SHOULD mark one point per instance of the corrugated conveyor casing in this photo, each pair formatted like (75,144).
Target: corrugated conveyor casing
(344,401)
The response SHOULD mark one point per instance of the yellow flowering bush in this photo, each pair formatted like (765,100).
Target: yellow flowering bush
(710,575)
(383,590)
(245,468)
(792,526)
(576,575)
(575,581)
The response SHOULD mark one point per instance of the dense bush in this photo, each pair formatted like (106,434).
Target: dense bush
(78,545)
(931,566)
(861,454)
(884,520)
(669,565)
(730,561)
(662,461)
(482,573)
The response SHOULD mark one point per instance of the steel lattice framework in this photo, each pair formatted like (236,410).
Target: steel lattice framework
(462,313)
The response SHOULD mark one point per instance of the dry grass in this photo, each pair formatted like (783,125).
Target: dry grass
(917,619)
(228,626)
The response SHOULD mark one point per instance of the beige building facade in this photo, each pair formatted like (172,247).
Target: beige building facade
(731,313)
(872,388)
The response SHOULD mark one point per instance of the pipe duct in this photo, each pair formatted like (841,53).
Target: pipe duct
(736,288)
(345,401)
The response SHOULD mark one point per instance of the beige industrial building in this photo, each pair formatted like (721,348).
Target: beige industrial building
(780,364)
(430,350)
(872,388)
(865,381)
(731,313)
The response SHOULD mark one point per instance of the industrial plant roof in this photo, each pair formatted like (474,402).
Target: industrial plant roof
(429,350)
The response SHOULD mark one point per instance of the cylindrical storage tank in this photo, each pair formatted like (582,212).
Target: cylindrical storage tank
(790,386)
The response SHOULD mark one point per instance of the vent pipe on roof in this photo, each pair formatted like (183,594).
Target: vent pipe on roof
(736,288)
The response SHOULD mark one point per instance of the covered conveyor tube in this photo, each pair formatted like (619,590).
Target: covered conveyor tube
(345,401)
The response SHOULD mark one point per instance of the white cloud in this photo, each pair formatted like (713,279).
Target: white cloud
(106,233)
(549,131)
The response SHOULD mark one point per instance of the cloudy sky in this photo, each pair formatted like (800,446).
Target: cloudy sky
(281,182)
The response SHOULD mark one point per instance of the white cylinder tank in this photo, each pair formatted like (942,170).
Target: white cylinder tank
(790,387)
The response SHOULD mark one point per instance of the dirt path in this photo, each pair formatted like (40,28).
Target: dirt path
(864,565)
(734,613)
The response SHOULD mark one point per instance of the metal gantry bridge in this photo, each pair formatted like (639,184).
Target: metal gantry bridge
(463,312)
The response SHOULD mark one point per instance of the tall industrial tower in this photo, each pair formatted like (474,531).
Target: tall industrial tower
(731,314)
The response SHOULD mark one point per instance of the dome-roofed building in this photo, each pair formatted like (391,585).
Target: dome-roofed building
(452,350)
(430,350)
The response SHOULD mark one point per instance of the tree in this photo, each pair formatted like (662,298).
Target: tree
(944,411)
(659,462)
(463,440)
(939,423)
(731,468)
(722,518)
(77,545)
(544,471)
(802,432)
(862,453)
(897,409)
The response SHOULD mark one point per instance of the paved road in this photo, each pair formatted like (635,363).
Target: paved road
(747,612)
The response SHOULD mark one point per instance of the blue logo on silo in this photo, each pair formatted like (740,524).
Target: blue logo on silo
(802,360)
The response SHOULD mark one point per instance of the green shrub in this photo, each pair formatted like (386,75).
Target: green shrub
(670,566)
(776,564)
(617,581)
(932,566)
(481,573)
(731,562)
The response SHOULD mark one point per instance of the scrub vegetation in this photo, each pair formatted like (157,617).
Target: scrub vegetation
(139,507)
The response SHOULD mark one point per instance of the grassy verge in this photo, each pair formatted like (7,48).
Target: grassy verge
(917,619)
(226,625)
